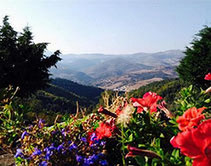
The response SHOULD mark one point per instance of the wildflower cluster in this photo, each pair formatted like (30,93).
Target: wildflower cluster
(195,139)
(61,144)
(145,127)
(135,131)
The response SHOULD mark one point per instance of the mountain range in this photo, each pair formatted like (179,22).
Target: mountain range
(123,72)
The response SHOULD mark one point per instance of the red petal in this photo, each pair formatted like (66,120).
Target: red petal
(140,110)
(185,142)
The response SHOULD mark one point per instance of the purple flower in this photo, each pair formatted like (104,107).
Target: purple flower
(64,132)
(95,144)
(102,143)
(86,162)
(93,137)
(90,161)
(48,155)
(73,146)
(19,153)
(24,134)
(100,155)
(93,158)
(83,139)
(52,147)
(43,163)
(37,152)
(103,162)
(41,123)
(79,158)
(54,132)
(30,127)
(60,147)
(49,152)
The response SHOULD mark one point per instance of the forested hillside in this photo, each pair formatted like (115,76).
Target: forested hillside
(61,97)
(169,89)
(89,92)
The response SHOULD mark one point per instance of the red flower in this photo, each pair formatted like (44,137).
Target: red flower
(104,130)
(91,137)
(133,151)
(119,111)
(149,101)
(208,76)
(196,143)
(191,118)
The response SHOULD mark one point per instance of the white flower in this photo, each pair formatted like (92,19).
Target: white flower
(125,115)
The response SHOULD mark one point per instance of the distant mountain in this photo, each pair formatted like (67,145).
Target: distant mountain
(70,74)
(118,72)
(114,67)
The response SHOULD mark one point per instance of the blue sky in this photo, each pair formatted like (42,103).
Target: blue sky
(110,26)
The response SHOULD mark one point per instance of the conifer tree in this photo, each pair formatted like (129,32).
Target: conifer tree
(23,63)
(197,62)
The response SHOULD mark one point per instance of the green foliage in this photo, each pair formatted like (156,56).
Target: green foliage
(150,132)
(196,64)
(11,119)
(22,62)
(192,97)
(147,131)
(89,92)
(169,89)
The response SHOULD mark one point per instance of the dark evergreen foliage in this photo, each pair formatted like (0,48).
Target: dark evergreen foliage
(197,62)
(23,62)
(90,92)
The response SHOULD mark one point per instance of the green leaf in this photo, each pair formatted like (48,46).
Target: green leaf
(207,101)
(162,136)
(130,138)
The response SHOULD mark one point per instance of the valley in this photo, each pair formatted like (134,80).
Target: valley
(118,72)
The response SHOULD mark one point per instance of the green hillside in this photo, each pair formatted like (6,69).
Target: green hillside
(60,98)
(89,92)
(168,89)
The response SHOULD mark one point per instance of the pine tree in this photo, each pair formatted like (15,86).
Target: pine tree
(23,63)
(197,62)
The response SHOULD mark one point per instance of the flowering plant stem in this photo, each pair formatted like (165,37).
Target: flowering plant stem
(123,145)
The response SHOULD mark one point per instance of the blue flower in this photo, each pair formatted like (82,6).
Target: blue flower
(37,152)
(90,161)
(49,152)
(83,139)
(60,147)
(43,163)
(102,143)
(103,162)
(93,137)
(100,155)
(95,144)
(19,153)
(73,146)
(79,158)
(64,132)
(86,162)
(93,158)
(24,134)
(52,147)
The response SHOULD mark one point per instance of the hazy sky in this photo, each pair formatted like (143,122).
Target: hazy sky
(110,26)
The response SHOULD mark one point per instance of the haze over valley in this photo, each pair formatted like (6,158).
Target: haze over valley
(118,72)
